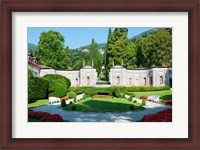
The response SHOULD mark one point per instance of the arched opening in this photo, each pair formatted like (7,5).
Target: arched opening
(161,79)
(151,80)
(118,80)
(88,80)
(76,81)
(130,81)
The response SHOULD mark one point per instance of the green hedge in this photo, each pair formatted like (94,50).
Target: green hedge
(114,91)
(37,88)
(58,85)
(143,88)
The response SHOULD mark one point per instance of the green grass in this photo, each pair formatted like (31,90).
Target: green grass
(104,105)
(165,94)
(41,102)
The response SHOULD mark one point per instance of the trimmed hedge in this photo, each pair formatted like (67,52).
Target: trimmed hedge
(117,92)
(37,87)
(143,88)
(71,95)
(58,85)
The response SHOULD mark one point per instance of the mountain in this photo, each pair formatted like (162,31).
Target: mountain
(153,31)
(32,47)
(101,46)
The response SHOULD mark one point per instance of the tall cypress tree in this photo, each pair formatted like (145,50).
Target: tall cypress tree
(95,57)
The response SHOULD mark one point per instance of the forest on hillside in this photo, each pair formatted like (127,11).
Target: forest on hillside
(146,50)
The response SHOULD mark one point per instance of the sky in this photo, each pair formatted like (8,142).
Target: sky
(77,37)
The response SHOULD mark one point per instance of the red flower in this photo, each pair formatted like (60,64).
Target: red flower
(161,116)
(45,116)
(143,97)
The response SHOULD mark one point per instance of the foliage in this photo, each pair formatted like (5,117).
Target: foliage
(73,107)
(155,50)
(143,102)
(44,116)
(77,59)
(63,103)
(71,95)
(51,50)
(131,107)
(58,85)
(95,57)
(130,98)
(37,87)
(117,92)
(161,116)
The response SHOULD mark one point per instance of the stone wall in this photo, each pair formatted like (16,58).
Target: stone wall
(139,77)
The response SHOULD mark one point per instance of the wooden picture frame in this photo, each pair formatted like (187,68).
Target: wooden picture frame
(9,6)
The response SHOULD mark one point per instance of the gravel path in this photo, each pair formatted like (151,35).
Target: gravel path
(130,116)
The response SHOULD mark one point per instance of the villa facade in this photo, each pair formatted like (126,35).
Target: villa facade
(118,76)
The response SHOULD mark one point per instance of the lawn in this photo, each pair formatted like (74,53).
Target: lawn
(165,94)
(41,102)
(104,105)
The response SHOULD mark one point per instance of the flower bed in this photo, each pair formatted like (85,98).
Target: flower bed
(101,96)
(167,101)
(44,116)
(143,97)
(63,98)
(161,116)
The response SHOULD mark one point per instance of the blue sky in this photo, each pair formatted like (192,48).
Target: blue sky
(77,37)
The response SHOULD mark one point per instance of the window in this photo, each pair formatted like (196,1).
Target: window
(129,81)
(161,79)
(151,80)
(118,80)
(145,81)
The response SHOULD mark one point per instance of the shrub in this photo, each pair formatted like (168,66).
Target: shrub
(117,92)
(74,100)
(130,98)
(37,88)
(143,102)
(135,101)
(84,96)
(74,107)
(131,107)
(58,85)
(70,102)
(63,103)
(71,95)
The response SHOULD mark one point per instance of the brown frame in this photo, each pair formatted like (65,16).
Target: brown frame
(9,6)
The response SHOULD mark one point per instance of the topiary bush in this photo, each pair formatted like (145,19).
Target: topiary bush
(37,87)
(130,98)
(70,102)
(131,107)
(58,85)
(143,102)
(84,96)
(135,101)
(63,103)
(117,92)
(71,95)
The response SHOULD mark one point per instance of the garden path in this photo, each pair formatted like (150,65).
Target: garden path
(130,116)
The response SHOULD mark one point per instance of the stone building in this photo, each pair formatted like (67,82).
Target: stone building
(158,76)
(118,76)
(87,76)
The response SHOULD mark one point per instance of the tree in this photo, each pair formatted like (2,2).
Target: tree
(157,50)
(51,50)
(95,57)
